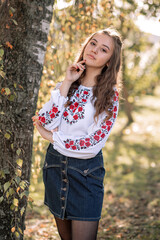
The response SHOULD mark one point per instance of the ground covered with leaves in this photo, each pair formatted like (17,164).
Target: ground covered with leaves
(132,182)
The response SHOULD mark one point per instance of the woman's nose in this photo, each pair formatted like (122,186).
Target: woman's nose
(95,50)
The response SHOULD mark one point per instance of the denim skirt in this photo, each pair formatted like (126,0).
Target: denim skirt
(73,187)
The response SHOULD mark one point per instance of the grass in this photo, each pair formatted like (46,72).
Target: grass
(132,199)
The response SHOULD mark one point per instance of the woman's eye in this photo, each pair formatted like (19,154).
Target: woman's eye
(92,43)
(104,50)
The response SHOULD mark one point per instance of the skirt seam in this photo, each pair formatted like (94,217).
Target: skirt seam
(56,214)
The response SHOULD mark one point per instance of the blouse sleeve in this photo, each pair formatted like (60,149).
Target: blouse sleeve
(51,113)
(89,145)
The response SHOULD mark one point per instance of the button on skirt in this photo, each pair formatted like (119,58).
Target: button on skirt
(73,187)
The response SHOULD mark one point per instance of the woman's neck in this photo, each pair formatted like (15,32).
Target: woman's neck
(89,79)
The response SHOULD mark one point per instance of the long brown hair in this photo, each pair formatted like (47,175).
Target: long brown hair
(103,91)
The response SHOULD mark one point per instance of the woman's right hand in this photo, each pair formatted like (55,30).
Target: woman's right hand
(74,71)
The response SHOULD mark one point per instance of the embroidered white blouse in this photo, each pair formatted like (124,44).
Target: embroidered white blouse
(78,134)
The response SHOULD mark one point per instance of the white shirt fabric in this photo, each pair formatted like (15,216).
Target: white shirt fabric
(78,135)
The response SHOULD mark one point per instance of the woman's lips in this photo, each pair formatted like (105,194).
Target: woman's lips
(90,56)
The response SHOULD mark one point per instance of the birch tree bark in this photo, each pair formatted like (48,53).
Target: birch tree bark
(24,26)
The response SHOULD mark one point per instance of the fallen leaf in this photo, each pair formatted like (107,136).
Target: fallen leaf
(9,45)
(7,26)
(13,229)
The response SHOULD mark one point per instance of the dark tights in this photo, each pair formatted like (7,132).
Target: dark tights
(77,230)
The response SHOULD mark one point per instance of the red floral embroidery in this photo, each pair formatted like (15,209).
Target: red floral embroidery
(52,115)
(42,119)
(55,109)
(87,139)
(71,142)
(108,123)
(76,109)
(108,128)
(99,132)
(88,144)
(80,109)
(115,109)
(76,104)
(71,106)
(67,145)
(98,135)
(116,93)
(74,147)
(82,143)
(65,114)
(48,116)
(75,117)
(103,135)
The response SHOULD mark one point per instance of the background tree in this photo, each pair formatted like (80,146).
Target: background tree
(24,28)
(135,44)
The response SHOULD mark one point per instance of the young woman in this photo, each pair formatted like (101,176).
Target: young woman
(77,121)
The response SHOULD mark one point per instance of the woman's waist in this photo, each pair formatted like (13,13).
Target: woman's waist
(98,158)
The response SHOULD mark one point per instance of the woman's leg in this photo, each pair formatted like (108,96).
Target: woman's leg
(64,228)
(86,230)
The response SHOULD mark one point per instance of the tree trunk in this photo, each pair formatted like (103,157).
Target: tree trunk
(127,105)
(23,38)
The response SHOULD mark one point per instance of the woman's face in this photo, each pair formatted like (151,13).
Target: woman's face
(98,51)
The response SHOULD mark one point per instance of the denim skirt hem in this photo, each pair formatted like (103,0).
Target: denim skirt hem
(71,217)
(73,187)
(82,219)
